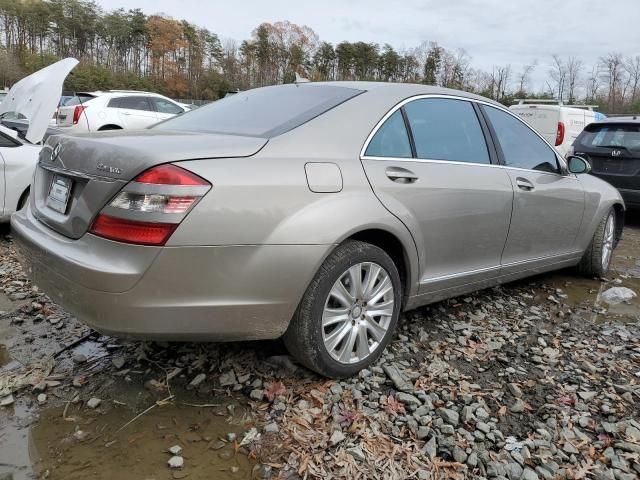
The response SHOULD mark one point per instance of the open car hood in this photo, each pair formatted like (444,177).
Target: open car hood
(37,97)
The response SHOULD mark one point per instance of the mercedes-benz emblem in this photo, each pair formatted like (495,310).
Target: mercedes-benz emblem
(56,152)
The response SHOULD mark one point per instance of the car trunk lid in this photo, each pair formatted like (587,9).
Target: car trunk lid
(77,176)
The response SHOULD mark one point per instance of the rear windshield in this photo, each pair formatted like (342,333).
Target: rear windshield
(263,112)
(78,99)
(612,136)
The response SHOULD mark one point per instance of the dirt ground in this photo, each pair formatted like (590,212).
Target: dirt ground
(535,379)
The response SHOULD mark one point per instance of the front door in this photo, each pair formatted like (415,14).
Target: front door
(437,177)
(548,204)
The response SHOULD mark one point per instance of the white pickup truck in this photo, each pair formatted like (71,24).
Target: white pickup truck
(559,124)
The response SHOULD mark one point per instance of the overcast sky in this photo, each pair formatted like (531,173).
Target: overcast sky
(493,32)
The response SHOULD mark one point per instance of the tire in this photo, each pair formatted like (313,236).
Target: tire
(364,334)
(597,258)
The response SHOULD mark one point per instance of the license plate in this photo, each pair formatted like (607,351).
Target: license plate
(59,193)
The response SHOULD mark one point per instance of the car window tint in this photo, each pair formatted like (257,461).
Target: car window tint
(135,103)
(6,142)
(611,136)
(521,147)
(391,139)
(446,129)
(263,112)
(165,106)
(114,103)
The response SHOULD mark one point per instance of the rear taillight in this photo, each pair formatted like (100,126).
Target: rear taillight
(77,112)
(149,209)
(560,134)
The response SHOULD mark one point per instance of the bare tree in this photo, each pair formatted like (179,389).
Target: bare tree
(613,73)
(524,77)
(501,76)
(632,67)
(558,74)
(573,67)
(593,84)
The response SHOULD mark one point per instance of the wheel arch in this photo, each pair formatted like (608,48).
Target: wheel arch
(396,249)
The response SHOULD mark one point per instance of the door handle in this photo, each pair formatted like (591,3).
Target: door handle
(524,184)
(401,175)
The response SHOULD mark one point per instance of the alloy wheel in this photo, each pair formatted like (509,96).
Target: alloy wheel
(607,242)
(357,312)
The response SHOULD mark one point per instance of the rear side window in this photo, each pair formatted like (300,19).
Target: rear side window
(391,139)
(612,136)
(445,129)
(263,112)
(521,147)
(165,106)
(135,103)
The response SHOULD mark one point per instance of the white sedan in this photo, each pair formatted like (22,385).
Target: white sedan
(35,97)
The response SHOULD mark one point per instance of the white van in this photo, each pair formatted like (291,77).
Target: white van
(559,124)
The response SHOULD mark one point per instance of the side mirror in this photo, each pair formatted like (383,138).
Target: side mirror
(578,165)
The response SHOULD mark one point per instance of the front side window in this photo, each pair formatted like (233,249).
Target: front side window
(521,147)
(165,106)
(391,139)
(447,129)
(134,103)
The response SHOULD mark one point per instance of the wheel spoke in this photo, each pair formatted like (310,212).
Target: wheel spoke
(370,279)
(377,332)
(340,293)
(384,309)
(347,346)
(362,348)
(334,338)
(355,274)
(332,316)
(383,287)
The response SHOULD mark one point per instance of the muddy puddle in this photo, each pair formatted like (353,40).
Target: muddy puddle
(586,294)
(96,443)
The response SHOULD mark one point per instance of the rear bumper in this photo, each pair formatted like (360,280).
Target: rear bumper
(172,293)
(631,198)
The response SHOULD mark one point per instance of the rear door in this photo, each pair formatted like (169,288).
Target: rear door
(613,150)
(548,205)
(165,108)
(135,112)
(437,176)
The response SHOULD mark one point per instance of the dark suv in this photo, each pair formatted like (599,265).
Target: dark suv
(612,147)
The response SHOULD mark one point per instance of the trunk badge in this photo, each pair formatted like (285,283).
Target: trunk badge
(56,152)
(106,168)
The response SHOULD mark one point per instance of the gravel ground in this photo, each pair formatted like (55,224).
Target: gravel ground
(516,382)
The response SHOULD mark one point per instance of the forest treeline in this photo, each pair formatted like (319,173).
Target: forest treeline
(129,49)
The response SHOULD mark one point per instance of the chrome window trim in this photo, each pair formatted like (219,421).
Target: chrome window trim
(399,105)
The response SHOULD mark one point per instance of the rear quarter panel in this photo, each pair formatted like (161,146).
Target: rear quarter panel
(600,197)
(265,199)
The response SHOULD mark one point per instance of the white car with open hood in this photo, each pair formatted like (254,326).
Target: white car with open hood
(35,97)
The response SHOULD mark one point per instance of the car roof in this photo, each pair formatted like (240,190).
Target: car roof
(405,90)
(622,119)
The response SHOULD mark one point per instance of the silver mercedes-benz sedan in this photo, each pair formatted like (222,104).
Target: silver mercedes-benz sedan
(317,212)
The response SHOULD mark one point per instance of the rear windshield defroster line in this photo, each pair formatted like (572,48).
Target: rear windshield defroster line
(264,112)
